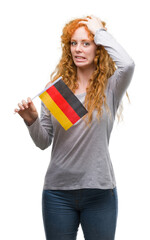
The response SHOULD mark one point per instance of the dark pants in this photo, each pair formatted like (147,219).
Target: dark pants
(95,209)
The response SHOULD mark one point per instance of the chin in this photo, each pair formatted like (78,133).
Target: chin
(84,66)
(81,64)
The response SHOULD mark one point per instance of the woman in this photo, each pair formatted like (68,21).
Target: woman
(80,185)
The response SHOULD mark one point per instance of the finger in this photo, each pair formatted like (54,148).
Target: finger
(83,21)
(24,104)
(29,100)
(31,105)
(92,16)
(98,18)
(16,110)
(100,22)
(20,106)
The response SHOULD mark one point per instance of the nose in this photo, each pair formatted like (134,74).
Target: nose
(78,48)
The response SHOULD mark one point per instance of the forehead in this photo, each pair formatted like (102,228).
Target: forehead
(80,33)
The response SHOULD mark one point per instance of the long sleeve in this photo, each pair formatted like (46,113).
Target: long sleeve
(125,65)
(41,131)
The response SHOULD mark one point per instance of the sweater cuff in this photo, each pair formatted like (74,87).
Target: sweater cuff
(33,125)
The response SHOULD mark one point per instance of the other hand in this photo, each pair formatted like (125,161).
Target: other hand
(27,111)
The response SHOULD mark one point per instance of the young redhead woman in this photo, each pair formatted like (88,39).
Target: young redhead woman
(80,186)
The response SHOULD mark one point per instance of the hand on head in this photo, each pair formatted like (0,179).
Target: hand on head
(93,23)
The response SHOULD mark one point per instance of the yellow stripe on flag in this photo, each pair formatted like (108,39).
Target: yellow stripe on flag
(55,110)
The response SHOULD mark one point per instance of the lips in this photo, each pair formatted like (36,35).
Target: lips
(79,57)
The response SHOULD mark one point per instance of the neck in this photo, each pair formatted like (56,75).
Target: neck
(84,74)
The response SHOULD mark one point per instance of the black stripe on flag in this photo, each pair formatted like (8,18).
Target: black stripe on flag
(70,98)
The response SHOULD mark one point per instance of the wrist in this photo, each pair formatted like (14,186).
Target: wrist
(30,122)
(100,29)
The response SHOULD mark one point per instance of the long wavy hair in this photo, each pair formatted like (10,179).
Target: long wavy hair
(105,67)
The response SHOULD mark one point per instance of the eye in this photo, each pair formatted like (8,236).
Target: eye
(86,43)
(73,43)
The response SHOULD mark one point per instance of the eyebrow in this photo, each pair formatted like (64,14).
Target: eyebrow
(83,40)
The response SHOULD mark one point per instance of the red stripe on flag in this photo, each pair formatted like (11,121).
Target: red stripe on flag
(63,104)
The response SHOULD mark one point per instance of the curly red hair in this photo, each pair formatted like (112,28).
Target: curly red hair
(105,67)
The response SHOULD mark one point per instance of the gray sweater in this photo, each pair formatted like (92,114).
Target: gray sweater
(80,156)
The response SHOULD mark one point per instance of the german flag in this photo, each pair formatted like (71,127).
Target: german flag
(62,103)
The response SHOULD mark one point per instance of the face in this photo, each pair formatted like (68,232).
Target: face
(83,49)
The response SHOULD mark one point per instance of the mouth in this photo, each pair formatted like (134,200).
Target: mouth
(79,59)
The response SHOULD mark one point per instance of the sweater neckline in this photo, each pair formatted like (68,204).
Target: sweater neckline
(80,94)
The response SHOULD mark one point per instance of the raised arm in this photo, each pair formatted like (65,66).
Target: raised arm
(125,65)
